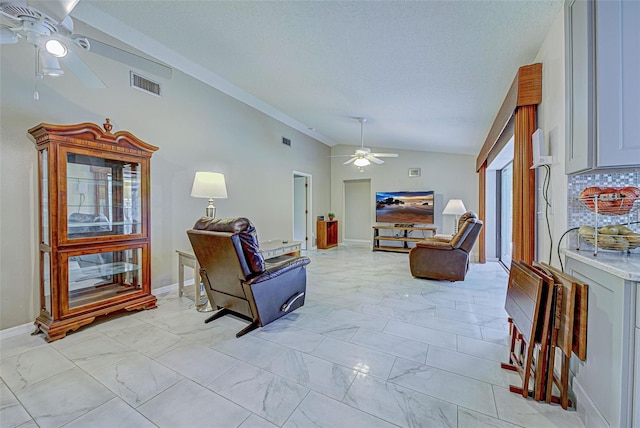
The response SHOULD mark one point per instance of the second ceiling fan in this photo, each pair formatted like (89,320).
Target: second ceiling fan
(363,156)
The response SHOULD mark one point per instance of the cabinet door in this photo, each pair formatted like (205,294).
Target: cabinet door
(99,277)
(580,86)
(618,68)
(103,197)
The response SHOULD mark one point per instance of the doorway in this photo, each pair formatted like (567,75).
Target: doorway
(499,203)
(302,208)
(357,211)
(505,213)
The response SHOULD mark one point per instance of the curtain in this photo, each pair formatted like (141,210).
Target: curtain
(524,185)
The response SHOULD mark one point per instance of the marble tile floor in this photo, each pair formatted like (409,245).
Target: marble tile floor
(372,347)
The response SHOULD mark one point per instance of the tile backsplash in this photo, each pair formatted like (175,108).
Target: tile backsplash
(578,213)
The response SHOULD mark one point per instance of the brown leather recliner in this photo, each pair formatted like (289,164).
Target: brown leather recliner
(236,277)
(435,258)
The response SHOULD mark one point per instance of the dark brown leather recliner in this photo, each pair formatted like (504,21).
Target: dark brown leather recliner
(435,258)
(236,277)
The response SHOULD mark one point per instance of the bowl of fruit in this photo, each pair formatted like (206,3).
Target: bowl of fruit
(613,237)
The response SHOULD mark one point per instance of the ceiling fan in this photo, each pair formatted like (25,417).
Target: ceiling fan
(363,156)
(46,25)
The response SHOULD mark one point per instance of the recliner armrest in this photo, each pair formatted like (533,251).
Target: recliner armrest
(438,245)
(446,239)
(274,270)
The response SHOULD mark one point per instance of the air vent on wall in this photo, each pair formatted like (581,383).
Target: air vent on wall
(286,141)
(143,84)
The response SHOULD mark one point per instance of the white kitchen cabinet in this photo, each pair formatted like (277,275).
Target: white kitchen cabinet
(602,86)
(606,383)
(579,85)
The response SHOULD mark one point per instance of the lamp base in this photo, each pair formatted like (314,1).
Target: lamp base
(210,210)
(204,305)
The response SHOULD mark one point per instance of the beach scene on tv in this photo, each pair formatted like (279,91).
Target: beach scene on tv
(404,207)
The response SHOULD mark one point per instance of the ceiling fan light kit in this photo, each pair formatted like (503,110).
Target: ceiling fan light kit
(49,65)
(361,162)
(56,48)
(363,156)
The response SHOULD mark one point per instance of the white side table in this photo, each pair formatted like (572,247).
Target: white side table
(186,258)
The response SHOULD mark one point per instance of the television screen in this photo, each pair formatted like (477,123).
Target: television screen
(404,207)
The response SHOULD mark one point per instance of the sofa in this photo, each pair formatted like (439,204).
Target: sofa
(446,258)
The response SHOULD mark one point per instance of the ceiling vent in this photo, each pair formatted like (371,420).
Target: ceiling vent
(143,84)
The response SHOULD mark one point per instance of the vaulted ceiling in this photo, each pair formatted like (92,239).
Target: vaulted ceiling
(428,75)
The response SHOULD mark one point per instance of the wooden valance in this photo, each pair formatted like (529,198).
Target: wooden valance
(526,89)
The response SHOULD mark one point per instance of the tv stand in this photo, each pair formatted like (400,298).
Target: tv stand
(401,236)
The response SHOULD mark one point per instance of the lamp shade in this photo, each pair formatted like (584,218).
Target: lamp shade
(209,185)
(454,207)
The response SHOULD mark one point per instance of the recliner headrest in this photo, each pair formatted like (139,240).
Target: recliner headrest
(468,215)
(245,230)
(230,225)
(464,217)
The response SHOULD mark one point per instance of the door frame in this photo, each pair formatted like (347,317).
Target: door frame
(307,244)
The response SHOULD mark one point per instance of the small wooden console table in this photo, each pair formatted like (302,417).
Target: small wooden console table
(403,237)
(327,234)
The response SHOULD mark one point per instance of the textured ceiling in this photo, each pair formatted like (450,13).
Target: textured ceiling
(428,75)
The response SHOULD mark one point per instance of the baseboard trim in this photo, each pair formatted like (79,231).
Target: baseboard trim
(169,288)
(360,241)
(29,327)
(586,408)
(16,331)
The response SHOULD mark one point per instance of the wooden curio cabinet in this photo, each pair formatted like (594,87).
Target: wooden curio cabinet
(94,225)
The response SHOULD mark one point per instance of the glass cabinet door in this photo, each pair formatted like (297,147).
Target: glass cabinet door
(99,276)
(103,197)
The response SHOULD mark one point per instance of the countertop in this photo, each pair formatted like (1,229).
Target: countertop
(621,265)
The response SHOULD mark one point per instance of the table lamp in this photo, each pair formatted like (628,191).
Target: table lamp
(209,185)
(454,207)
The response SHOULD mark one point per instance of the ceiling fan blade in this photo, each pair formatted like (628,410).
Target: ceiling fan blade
(7,36)
(130,59)
(340,156)
(374,159)
(350,161)
(9,16)
(58,10)
(385,155)
(82,71)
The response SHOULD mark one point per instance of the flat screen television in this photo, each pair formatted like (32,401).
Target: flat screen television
(404,207)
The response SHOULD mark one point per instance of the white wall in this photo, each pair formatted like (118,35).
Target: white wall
(551,118)
(451,175)
(196,128)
